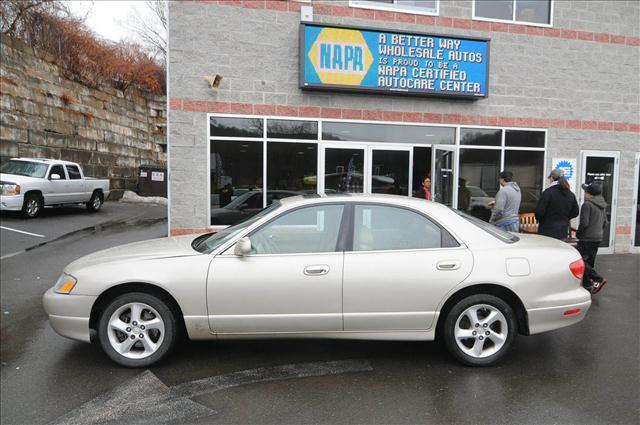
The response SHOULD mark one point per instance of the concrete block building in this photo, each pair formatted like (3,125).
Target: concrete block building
(284,97)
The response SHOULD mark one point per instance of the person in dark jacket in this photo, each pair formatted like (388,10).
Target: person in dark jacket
(593,220)
(556,207)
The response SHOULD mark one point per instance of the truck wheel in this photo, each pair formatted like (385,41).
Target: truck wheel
(95,203)
(32,206)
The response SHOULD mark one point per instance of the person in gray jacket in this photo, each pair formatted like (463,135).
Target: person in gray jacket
(593,220)
(504,212)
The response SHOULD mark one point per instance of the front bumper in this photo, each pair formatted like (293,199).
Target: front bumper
(11,202)
(550,318)
(69,314)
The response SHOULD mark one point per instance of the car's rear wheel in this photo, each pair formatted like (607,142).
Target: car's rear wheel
(32,206)
(137,329)
(480,329)
(95,203)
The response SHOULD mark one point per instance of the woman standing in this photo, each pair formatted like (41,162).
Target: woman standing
(425,191)
(556,207)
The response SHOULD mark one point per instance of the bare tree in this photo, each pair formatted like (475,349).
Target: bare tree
(18,18)
(152,33)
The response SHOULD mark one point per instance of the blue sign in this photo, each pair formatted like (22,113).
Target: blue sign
(358,59)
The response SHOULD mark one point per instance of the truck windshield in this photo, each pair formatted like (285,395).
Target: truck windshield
(24,168)
(207,243)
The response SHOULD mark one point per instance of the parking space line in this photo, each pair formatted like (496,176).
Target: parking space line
(22,231)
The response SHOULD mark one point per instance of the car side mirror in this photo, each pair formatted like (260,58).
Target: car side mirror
(243,247)
(243,206)
(54,177)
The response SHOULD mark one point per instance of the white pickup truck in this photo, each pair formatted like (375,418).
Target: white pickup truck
(28,185)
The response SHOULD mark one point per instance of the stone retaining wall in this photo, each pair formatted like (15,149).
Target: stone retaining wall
(44,114)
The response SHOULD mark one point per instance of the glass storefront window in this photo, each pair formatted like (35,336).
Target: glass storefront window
(387,133)
(480,136)
(292,129)
(292,169)
(236,180)
(528,171)
(343,170)
(524,138)
(390,172)
(478,181)
(236,127)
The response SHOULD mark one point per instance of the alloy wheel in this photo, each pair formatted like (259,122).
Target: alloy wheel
(32,207)
(136,330)
(481,331)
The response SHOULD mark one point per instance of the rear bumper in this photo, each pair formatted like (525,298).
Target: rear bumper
(11,202)
(69,314)
(550,318)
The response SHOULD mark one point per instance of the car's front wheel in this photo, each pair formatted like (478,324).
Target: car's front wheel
(137,329)
(480,329)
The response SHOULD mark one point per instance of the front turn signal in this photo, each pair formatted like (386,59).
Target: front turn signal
(65,284)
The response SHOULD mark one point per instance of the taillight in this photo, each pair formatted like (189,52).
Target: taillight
(577,268)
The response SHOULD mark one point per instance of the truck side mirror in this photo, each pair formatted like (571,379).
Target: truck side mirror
(54,177)
(243,247)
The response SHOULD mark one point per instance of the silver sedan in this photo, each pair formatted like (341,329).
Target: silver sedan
(364,267)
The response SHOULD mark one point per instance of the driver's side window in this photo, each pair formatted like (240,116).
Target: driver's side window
(306,230)
(59,170)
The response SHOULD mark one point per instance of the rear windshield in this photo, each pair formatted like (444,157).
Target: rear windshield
(24,168)
(503,235)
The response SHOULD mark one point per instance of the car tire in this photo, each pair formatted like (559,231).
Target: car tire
(32,205)
(137,329)
(96,201)
(482,341)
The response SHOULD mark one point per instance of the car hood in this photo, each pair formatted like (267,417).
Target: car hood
(170,247)
(21,180)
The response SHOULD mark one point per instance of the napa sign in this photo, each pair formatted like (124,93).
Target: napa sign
(360,59)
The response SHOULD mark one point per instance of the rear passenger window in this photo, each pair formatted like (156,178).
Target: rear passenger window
(74,172)
(59,170)
(378,227)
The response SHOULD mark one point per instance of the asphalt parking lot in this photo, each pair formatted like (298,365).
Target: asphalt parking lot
(587,373)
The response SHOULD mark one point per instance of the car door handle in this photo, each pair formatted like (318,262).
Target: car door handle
(448,265)
(316,270)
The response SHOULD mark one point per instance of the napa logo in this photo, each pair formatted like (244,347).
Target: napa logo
(340,56)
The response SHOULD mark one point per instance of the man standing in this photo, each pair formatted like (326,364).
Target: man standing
(593,220)
(504,213)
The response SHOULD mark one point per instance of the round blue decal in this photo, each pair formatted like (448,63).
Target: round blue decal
(566,167)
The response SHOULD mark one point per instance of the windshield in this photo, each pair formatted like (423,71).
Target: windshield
(24,168)
(503,235)
(477,192)
(215,240)
(242,199)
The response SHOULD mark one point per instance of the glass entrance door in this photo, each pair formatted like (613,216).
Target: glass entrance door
(444,175)
(343,169)
(602,168)
(390,172)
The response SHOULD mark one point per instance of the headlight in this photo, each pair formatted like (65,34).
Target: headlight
(65,284)
(7,188)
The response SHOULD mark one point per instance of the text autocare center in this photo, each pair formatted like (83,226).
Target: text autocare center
(270,99)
